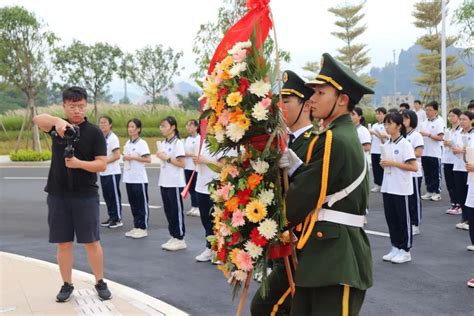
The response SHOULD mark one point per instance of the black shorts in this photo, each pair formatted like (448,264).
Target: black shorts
(69,215)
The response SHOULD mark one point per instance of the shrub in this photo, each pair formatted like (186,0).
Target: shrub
(30,155)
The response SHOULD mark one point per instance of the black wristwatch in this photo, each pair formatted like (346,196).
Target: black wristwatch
(168,160)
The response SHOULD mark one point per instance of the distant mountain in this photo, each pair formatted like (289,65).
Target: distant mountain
(406,72)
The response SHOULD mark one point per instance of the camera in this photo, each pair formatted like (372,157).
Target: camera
(71,135)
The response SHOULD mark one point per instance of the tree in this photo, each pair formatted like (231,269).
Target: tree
(464,18)
(313,67)
(153,70)
(190,101)
(210,35)
(353,55)
(124,71)
(24,48)
(428,17)
(90,66)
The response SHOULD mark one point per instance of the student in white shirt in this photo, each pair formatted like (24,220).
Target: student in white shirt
(421,114)
(403,107)
(358,119)
(397,186)
(448,160)
(136,154)
(433,134)
(410,121)
(463,139)
(171,182)
(110,178)
(191,144)
(379,136)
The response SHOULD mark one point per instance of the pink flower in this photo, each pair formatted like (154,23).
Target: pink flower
(224,191)
(238,218)
(224,117)
(233,171)
(266,102)
(240,56)
(244,261)
(224,230)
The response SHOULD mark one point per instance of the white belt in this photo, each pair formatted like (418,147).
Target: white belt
(341,218)
(333,198)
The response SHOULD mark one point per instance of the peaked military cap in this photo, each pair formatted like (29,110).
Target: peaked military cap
(294,85)
(340,77)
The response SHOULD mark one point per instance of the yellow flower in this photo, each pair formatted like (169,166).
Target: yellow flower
(243,122)
(234,99)
(224,269)
(226,63)
(209,88)
(255,211)
(233,255)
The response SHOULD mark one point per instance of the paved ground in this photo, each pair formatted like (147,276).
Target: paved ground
(433,284)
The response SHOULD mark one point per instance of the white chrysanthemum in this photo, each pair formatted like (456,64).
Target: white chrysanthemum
(220,136)
(266,197)
(239,275)
(260,88)
(253,250)
(260,166)
(234,132)
(237,69)
(259,112)
(238,47)
(268,228)
(246,44)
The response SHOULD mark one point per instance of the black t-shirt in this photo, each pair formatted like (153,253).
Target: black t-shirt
(91,143)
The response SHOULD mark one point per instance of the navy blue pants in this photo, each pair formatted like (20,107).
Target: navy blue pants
(113,199)
(460,186)
(414,202)
(449,178)
(192,187)
(205,205)
(173,205)
(432,171)
(377,169)
(397,215)
(470,218)
(138,199)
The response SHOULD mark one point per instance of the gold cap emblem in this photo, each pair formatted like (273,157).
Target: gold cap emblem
(285,76)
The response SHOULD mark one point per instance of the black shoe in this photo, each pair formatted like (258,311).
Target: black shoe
(65,293)
(115,224)
(106,223)
(103,290)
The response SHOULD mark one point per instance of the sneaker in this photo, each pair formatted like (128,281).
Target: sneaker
(436,197)
(470,283)
(462,225)
(103,291)
(205,256)
(115,224)
(196,212)
(65,293)
(402,257)
(139,233)
(454,211)
(190,212)
(166,243)
(427,196)
(470,248)
(389,256)
(375,189)
(449,210)
(415,230)
(176,244)
(130,232)
(106,223)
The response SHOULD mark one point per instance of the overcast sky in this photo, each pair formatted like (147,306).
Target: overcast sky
(303,26)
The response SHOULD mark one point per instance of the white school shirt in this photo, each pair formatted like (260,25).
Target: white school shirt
(461,140)
(448,155)
(422,118)
(364,135)
(433,148)
(395,180)
(204,173)
(190,144)
(113,143)
(376,142)
(172,176)
(134,171)
(416,140)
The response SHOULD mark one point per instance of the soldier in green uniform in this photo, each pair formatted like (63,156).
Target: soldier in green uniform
(295,95)
(328,196)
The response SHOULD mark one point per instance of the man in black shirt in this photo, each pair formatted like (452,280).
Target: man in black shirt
(73,200)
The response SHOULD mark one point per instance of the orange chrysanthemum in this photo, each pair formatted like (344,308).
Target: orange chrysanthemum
(254,180)
(232,204)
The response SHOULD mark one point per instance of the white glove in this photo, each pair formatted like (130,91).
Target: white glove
(289,160)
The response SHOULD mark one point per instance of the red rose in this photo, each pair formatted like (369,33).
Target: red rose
(225,215)
(222,92)
(244,196)
(257,239)
(235,238)
(243,86)
(222,254)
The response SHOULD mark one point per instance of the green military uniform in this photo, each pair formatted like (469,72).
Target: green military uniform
(277,280)
(335,254)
